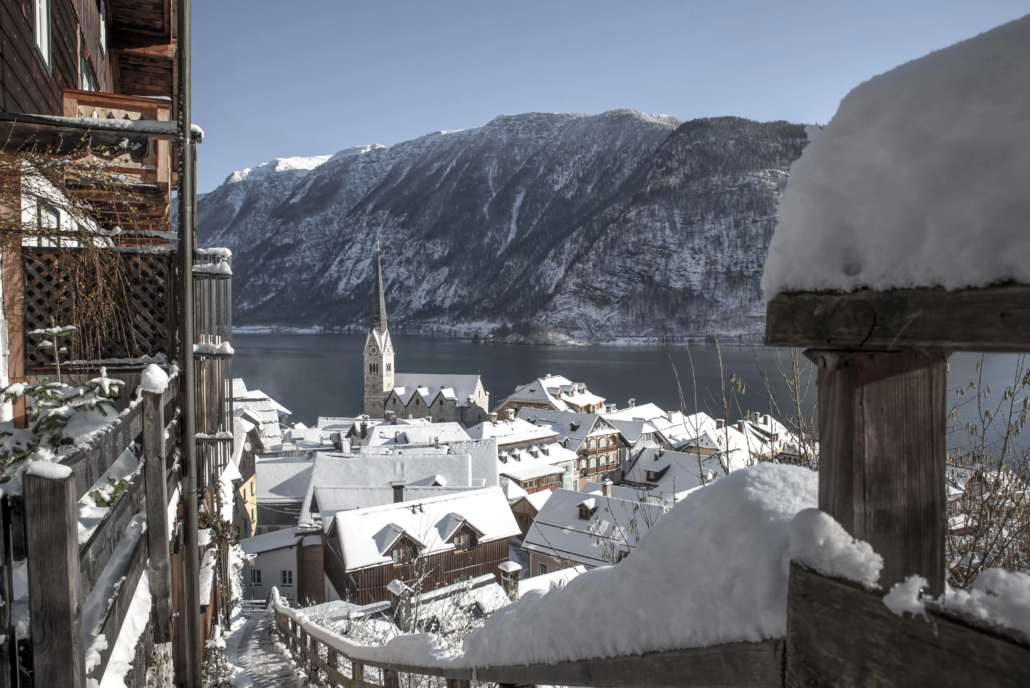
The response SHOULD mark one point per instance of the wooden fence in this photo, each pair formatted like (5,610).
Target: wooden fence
(42,527)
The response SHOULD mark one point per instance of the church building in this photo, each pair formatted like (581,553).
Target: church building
(444,398)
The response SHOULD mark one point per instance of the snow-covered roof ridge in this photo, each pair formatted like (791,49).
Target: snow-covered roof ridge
(918,180)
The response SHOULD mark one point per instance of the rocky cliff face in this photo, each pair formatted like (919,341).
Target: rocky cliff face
(615,225)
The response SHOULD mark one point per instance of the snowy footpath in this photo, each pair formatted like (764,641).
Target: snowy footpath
(251,648)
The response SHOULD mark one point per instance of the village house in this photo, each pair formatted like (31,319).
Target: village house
(441,397)
(425,544)
(290,560)
(526,508)
(577,529)
(594,440)
(552,392)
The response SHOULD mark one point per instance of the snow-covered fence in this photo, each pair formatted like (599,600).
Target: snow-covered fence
(81,578)
(318,651)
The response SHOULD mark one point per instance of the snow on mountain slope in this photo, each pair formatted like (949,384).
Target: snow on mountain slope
(611,225)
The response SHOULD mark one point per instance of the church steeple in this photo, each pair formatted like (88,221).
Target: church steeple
(378,350)
(378,322)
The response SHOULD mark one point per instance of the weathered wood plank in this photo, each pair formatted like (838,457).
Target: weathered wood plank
(96,552)
(157,515)
(55,602)
(90,463)
(8,657)
(733,665)
(989,319)
(119,605)
(882,429)
(841,635)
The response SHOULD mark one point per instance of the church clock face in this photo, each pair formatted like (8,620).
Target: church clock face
(372,351)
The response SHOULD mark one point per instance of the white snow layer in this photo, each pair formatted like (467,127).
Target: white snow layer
(124,651)
(919,180)
(905,596)
(822,544)
(154,379)
(47,469)
(712,570)
(998,597)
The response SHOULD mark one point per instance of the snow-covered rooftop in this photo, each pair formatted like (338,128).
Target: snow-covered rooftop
(559,532)
(556,391)
(284,480)
(919,180)
(366,535)
(456,387)
(266,542)
(510,432)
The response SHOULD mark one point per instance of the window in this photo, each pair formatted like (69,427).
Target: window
(87,79)
(287,577)
(47,218)
(401,555)
(389,367)
(102,38)
(543,569)
(255,576)
(41,30)
(462,542)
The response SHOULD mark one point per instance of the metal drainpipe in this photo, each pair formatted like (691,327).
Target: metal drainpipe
(187,190)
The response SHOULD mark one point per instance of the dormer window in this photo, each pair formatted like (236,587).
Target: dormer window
(586,509)
(462,542)
(402,554)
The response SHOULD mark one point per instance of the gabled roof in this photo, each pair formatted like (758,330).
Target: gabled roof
(362,532)
(390,434)
(577,427)
(458,387)
(515,431)
(559,532)
(331,469)
(682,473)
(558,392)
(527,470)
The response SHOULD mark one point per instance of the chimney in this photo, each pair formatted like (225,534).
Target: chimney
(336,440)
(632,403)
(611,408)
(391,417)
(510,579)
(429,418)
(511,414)
(766,420)
(493,418)
(364,429)
(398,491)
(740,426)
(436,441)
(670,415)
(606,488)
(720,423)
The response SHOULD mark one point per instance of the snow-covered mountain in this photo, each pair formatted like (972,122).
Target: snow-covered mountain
(613,225)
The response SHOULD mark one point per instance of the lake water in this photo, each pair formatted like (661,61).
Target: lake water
(321,375)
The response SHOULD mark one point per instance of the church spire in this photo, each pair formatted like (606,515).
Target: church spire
(378,300)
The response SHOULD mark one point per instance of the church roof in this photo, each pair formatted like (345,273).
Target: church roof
(458,387)
(378,323)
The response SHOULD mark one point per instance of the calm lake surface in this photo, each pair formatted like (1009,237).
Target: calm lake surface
(321,375)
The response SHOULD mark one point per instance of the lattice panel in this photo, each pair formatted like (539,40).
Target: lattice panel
(49,294)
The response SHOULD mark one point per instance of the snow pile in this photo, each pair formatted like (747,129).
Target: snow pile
(999,597)
(919,180)
(154,380)
(46,469)
(124,651)
(822,544)
(905,597)
(713,570)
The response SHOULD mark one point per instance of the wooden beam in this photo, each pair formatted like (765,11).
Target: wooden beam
(96,552)
(839,634)
(92,462)
(55,601)
(989,319)
(157,515)
(730,664)
(882,431)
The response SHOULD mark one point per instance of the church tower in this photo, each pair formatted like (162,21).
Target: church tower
(378,351)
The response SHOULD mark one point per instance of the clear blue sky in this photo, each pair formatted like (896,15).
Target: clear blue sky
(312,77)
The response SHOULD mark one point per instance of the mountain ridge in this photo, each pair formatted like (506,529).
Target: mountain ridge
(604,226)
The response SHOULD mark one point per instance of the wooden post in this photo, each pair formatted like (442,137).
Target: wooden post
(457,683)
(882,427)
(312,666)
(13,277)
(8,650)
(391,679)
(55,604)
(357,671)
(157,515)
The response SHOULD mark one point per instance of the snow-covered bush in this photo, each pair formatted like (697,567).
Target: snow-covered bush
(58,414)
